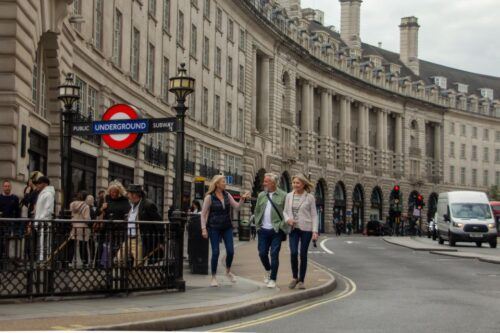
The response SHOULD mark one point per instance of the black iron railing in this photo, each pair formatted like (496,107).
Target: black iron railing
(67,257)
(155,156)
(190,167)
(207,171)
(78,117)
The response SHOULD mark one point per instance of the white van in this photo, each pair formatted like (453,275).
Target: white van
(465,216)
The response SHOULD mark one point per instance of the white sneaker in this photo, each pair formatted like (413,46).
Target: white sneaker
(214,282)
(231,277)
(271,284)
(267,277)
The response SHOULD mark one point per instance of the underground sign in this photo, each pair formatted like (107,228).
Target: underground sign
(121,119)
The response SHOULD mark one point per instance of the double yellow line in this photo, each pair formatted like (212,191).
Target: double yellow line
(351,289)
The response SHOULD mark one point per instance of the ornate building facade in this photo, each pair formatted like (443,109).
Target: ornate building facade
(276,91)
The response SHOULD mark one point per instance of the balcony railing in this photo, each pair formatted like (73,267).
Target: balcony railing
(80,118)
(189,167)
(207,171)
(155,156)
(57,258)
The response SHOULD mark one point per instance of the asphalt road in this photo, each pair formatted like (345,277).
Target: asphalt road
(395,289)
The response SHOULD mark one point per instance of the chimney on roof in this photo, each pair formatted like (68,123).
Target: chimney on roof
(350,22)
(292,7)
(409,43)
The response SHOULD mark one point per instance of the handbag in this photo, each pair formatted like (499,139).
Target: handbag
(283,235)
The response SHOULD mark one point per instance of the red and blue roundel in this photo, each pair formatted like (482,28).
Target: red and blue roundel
(120,112)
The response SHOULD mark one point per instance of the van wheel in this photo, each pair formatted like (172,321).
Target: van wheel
(440,239)
(493,244)
(479,244)
(451,240)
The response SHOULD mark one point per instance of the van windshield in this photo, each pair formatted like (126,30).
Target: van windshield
(471,211)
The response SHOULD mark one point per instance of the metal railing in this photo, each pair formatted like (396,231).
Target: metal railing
(155,156)
(207,171)
(68,257)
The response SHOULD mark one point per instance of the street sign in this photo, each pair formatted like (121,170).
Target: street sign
(120,126)
(229,180)
(81,128)
(120,112)
(162,124)
(348,213)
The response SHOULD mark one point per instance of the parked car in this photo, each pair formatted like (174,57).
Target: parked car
(465,216)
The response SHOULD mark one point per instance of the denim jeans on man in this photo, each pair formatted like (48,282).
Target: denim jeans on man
(270,240)
(304,238)
(215,236)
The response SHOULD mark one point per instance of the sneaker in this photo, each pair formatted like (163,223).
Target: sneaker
(231,277)
(267,277)
(214,282)
(301,285)
(271,284)
(293,283)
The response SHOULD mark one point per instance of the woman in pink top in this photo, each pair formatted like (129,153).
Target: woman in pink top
(216,223)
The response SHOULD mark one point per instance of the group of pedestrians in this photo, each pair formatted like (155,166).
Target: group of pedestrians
(277,215)
(84,241)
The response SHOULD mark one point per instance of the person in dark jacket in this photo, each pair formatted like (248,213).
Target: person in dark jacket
(216,223)
(9,208)
(145,240)
(112,234)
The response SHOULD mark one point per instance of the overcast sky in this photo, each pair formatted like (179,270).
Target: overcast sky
(464,34)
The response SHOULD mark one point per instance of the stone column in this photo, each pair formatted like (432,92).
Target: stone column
(437,151)
(380,139)
(345,125)
(325,112)
(363,136)
(254,89)
(398,147)
(306,105)
(263,108)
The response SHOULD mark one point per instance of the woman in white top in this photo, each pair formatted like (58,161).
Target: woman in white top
(300,213)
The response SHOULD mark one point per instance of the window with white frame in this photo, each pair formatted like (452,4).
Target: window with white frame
(150,71)
(77,11)
(39,84)
(134,55)
(229,118)
(463,178)
(192,105)
(166,15)
(229,74)
(474,177)
(204,114)
(206,9)
(152,8)
(218,19)
(218,60)
(92,104)
(81,104)
(206,52)
(189,150)
(117,38)
(98,23)
(474,132)
(216,120)
(194,41)
(241,120)
(452,128)
(180,28)
(486,154)
(486,134)
(230,29)
(474,153)
(164,79)
(463,130)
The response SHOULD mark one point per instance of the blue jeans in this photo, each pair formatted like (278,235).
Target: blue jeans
(304,238)
(215,235)
(270,240)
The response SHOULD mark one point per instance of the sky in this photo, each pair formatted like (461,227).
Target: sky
(462,34)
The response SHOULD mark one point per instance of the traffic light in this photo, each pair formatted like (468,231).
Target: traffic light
(396,197)
(420,201)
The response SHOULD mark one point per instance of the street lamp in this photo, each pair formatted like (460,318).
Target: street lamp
(69,94)
(181,85)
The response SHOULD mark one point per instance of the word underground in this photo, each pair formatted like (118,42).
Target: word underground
(121,127)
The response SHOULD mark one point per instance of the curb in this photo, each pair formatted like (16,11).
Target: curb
(471,256)
(430,249)
(230,313)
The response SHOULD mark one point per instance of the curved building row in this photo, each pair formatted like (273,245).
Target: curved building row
(276,91)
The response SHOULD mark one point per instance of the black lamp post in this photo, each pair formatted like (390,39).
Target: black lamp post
(181,85)
(69,94)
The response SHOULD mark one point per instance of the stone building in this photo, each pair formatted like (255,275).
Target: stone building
(275,91)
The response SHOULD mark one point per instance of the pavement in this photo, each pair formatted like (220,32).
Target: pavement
(396,290)
(199,305)
(461,250)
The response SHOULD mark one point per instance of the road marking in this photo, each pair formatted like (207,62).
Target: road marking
(322,244)
(351,289)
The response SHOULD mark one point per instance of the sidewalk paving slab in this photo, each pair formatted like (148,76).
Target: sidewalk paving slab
(200,305)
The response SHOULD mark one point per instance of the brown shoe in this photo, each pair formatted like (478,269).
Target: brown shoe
(293,283)
(301,285)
